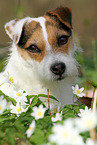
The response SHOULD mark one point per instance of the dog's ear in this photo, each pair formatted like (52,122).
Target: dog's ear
(14,28)
(64,14)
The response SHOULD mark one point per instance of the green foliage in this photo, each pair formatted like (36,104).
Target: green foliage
(2,64)
(13,129)
(45,96)
(9,99)
(93,84)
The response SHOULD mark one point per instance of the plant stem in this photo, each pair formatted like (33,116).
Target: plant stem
(95,101)
(48,102)
(93,134)
(2,84)
(93,105)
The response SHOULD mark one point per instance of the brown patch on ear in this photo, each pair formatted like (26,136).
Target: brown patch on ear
(8,29)
(15,21)
(64,15)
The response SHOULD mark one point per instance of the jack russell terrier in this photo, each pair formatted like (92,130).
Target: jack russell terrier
(42,55)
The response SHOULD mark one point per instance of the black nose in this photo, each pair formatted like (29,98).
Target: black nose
(58,68)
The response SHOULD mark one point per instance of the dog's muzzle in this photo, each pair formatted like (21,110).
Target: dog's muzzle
(58,69)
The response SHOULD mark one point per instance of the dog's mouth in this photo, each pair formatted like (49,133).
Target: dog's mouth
(60,78)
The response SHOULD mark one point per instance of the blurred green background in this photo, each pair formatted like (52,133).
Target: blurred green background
(84,25)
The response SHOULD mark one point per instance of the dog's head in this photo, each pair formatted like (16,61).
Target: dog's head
(46,43)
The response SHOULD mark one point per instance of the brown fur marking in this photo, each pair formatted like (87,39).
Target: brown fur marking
(36,38)
(34,31)
(54,32)
(8,29)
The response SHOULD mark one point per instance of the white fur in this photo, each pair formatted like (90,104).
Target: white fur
(35,77)
(42,21)
(16,28)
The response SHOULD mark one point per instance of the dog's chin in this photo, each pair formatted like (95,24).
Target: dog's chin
(60,78)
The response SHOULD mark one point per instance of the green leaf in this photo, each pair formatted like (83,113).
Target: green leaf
(46,96)
(2,141)
(76,110)
(38,137)
(9,99)
(69,115)
(6,112)
(30,97)
(93,84)
(1,93)
(44,123)
(19,126)
(19,135)
(13,101)
(3,118)
(34,101)
(9,136)
(1,134)
(85,135)
(68,106)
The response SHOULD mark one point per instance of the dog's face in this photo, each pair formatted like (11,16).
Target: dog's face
(46,43)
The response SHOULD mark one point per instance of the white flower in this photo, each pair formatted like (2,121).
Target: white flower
(30,129)
(38,112)
(76,139)
(87,122)
(90,142)
(19,96)
(8,79)
(3,104)
(18,109)
(84,112)
(65,134)
(78,91)
(57,117)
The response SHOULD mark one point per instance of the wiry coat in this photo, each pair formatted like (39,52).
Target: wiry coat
(40,45)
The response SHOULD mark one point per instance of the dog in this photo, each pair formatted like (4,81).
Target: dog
(42,54)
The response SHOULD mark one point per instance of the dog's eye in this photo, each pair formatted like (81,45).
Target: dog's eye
(33,48)
(62,40)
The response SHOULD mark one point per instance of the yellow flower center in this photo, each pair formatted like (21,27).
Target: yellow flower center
(85,113)
(18,94)
(39,113)
(30,128)
(78,91)
(65,134)
(55,110)
(11,80)
(89,123)
(18,109)
(0,107)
